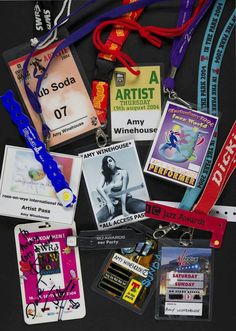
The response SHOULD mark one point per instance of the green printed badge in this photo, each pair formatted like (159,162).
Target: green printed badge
(135,103)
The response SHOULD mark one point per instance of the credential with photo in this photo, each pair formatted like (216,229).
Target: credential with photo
(115,184)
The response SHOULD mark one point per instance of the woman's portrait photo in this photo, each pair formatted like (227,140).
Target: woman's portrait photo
(116,185)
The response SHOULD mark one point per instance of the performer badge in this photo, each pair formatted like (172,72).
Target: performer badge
(64,97)
(24,185)
(180,146)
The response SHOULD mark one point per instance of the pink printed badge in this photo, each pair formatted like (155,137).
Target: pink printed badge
(50,273)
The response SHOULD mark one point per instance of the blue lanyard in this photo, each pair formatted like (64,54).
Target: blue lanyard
(63,191)
(191,195)
(75,36)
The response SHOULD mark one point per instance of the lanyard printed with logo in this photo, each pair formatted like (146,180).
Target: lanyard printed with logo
(50,167)
(224,167)
(43,17)
(111,50)
(180,47)
(47,8)
(192,194)
(75,36)
(105,64)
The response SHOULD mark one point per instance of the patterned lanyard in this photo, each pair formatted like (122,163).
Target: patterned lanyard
(191,195)
(75,36)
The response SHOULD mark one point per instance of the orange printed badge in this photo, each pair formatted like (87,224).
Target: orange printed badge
(65,101)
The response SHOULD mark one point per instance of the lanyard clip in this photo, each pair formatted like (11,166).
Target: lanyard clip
(174,96)
(162,231)
(101,138)
(186,238)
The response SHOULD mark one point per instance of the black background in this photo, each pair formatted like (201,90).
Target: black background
(16,26)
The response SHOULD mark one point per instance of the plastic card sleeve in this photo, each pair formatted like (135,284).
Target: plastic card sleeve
(184,286)
(115,184)
(128,275)
(136,103)
(64,95)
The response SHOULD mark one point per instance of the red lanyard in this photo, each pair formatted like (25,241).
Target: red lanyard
(150,33)
(104,68)
(198,218)
(220,174)
(111,50)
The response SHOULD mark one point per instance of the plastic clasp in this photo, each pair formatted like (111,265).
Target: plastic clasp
(66,197)
(104,70)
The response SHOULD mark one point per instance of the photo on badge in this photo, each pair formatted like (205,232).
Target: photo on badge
(184,287)
(115,184)
(128,276)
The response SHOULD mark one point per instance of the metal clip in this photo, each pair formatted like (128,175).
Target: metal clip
(186,238)
(163,230)
(101,137)
(174,96)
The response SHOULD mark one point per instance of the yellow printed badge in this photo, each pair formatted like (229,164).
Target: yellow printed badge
(132,291)
(135,103)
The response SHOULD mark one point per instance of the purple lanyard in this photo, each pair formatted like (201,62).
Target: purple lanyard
(184,14)
(75,36)
(181,44)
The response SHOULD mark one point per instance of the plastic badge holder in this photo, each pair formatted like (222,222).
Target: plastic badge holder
(65,86)
(128,275)
(136,103)
(184,286)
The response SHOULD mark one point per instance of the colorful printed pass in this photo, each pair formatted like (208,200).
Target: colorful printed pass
(50,273)
(184,290)
(128,275)
(26,192)
(181,144)
(115,184)
(65,101)
(135,103)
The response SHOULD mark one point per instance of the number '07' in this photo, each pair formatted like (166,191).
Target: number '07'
(59,113)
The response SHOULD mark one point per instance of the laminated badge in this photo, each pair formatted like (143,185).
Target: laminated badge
(185,283)
(24,183)
(135,103)
(181,144)
(50,273)
(64,98)
(128,275)
(115,184)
